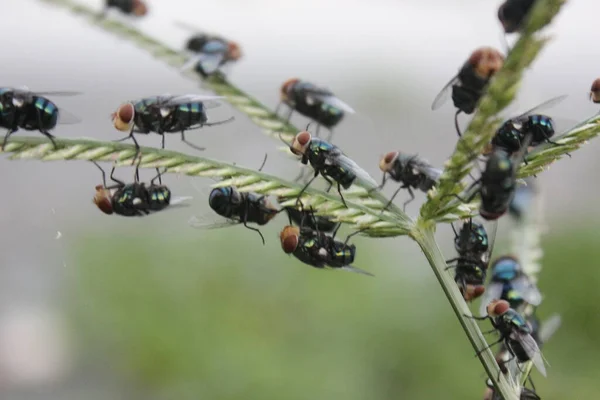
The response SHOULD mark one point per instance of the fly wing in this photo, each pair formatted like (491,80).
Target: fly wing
(547,104)
(532,350)
(207,100)
(442,96)
(492,291)
(349,164)
(350,268)
(427,169)
(210,62)
(531,294)
(180,200)
(59,93)
(327,97)
(208,222)
(66,118)
(549,327)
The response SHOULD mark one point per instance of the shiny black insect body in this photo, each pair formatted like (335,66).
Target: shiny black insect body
(511,134)
(412,171)
(309,220)
(239,208)
(510,283)
(166,114)
(23,109)
(210,52)
(316,103)
(136,8)
(468,85)
(515,333)
(328,161)
(473,247)
(132,199)
(512,14)
(319,250)
(498,182)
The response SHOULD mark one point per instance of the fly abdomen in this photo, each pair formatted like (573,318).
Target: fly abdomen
(540,126)
(160,197)
(339,174)
(131,200)
(48,114)
(518,350)
(342,254)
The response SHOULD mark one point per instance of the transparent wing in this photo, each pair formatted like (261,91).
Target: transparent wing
(211,221)
(187,27)
(59,93)
(521,201)
(180,201)
(215,46)
(334,101)
(210,62)
(424,167)
(492,291)
(207,100)
(549,327)
(442,96)
(66,118)
(547,104)
(531,294)
(350,165)
(533,351)
(350,268)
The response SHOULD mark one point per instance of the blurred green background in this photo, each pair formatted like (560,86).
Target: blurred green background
(228,323)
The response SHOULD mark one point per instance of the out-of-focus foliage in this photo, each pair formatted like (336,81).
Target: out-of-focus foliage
(190,318)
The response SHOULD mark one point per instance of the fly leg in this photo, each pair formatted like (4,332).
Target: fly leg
(10,132)
(137,145)
(44,131)
(192,145)
(353,234)
(245,221)
(103,173)
(380,186)
(263,163)
(112,178)
(158,176)
(412,197)
(389,203)
(556,144)
(305,187)
(489,346)
(339,189)
(456,123)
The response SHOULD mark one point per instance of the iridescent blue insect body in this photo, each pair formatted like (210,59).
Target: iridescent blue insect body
(540,126)
(318,155)
(23,109)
